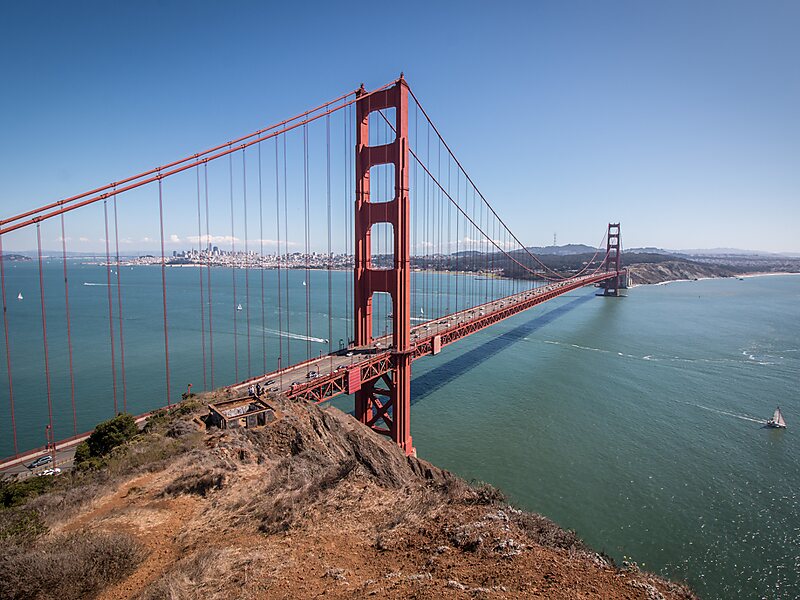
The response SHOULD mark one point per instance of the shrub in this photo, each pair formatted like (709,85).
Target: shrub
(20,526)
(16,493)
(106,436)
(68,567)
(112,433)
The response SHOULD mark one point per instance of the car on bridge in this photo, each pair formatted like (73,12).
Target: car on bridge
(42,460)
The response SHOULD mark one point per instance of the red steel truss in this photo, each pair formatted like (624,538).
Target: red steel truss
(351,377)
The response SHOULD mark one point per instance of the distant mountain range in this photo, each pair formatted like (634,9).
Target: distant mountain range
(564,250)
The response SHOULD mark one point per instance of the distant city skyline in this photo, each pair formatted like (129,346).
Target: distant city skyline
(679,120)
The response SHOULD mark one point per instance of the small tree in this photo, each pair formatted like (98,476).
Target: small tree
(110,434)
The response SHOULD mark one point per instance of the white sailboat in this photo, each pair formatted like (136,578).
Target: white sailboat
(238,307)
(777,422)
(19,296)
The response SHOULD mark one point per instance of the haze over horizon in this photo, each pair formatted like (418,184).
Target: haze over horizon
(678,120)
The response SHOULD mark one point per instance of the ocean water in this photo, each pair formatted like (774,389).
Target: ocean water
(279,333)
(635,421)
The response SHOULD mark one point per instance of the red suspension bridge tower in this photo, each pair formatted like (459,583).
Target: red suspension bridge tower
(388,398)
(613,261)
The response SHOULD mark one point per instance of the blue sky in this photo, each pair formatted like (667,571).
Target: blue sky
(680,119)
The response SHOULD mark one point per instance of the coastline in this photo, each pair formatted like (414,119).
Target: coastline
(742,276)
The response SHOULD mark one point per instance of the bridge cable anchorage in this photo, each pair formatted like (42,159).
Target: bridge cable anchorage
(201,275)
(119,309)
(164,292)
(69,327)
(8,347)
(110,309)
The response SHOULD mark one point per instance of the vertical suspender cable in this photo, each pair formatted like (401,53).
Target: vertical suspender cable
(458,221)
(44,338)
(164,289)
(261,264)
(208,280)
(440,199)
(286,249)
(330,248)
(119,309)
(278,233)
(110,310)
(413,208)
(307,242)
(346,210)
(69,328)
(246,262)
(447,243)
(233,275)
(201,251)
(8,347)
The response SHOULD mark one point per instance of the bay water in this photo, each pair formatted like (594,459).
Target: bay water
(635,421)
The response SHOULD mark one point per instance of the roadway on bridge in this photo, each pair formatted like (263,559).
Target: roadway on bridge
(328,366)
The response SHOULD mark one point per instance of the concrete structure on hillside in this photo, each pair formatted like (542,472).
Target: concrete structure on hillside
(243,412)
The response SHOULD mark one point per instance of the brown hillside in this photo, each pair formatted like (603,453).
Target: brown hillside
(315,505)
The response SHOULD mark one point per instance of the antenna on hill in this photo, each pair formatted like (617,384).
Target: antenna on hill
(554,239)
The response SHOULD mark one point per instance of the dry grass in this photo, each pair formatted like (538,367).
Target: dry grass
(544,532)
(67,567)
(197,482)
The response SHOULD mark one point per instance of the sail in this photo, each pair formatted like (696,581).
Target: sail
(778,418)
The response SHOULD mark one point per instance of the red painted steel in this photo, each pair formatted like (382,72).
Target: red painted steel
(613,258)
(44,334)
(162,168)
(391,405)
(159,173)
(465,323)
(8,348)
(163,290)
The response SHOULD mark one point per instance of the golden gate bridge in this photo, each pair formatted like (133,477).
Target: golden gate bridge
(366,176)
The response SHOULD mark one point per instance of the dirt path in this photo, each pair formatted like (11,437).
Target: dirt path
(137,509)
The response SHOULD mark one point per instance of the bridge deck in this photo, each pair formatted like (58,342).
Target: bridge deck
(334,370)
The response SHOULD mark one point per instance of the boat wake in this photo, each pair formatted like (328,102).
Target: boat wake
(296,336)
(726,413)
(750,358)
(95,284)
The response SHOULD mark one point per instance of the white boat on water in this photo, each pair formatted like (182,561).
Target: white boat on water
(238,307)
(777,422)
(19,296)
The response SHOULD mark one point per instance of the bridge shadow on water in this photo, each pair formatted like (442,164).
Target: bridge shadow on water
(436,378)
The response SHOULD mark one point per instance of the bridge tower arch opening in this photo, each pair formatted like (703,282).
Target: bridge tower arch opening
(384,404)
